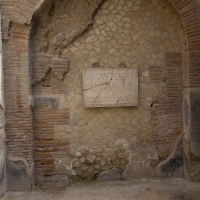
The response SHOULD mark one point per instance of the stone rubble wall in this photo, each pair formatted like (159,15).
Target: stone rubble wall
(136,34)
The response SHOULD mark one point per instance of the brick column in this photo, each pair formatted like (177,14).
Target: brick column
(18,110)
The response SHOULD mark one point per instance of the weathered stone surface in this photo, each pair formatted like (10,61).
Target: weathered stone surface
(110,87)
(20,177)
(195,123)
(132,32)
(3,176)
(90,158)
(191,139)
(173,165)
(44,63)
(41,66)
(195,177)
(125,35)
(2,179)
(60,67)
(111,175)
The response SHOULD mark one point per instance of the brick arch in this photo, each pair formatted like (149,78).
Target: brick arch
(190,22)
(16,59)
(19,11)
(23,14)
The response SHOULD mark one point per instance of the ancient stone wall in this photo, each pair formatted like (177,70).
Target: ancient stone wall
(81,143)
(3,176)
(16,17)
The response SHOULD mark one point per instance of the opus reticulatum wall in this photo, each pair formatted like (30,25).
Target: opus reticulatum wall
(52,138)
(100,139)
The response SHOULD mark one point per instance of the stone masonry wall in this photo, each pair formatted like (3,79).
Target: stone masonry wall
(135,34)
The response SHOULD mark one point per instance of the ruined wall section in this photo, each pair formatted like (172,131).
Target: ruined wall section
(134,34)
(49,68)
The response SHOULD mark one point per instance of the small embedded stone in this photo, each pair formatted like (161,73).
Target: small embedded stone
(95,65)
(90,158)
(77,164)
(122,65)
(111,175)
(82,160)
(78,154)
(120,155)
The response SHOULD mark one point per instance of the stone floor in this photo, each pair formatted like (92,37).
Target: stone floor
(168,189)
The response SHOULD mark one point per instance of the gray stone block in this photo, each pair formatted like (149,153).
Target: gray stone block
(111,175)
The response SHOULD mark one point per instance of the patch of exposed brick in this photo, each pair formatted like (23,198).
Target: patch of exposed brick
(190,22)
(168,103)
(45,147)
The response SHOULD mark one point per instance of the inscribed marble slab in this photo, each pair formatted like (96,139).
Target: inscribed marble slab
(110,87)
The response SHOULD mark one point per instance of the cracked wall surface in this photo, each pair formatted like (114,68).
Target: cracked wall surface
(75,142)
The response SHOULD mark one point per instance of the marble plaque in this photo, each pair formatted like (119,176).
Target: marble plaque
(110,87)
